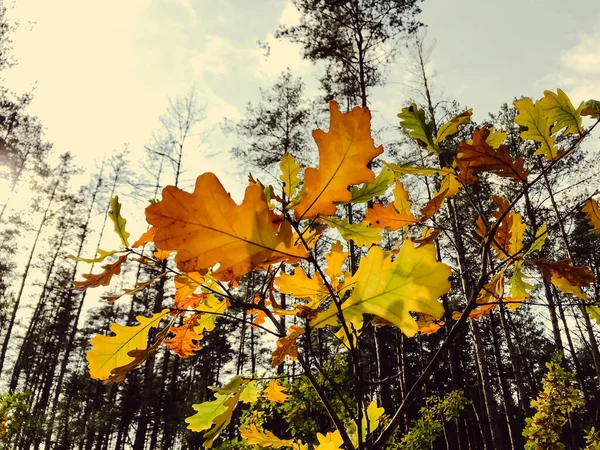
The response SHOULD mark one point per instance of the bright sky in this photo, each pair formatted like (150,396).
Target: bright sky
(103,71)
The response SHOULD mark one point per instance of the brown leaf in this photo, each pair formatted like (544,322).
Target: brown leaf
(482,157)
(575,275)
(286,346)
(100,279)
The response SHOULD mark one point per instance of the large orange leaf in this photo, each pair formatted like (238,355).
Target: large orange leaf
(344,152)
(207,227)
(482,157)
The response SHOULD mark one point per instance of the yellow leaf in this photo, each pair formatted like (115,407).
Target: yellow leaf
(516,235)
(210,309)
(300,286)
(115,215)
(538,127)
(111,352)
(331,441)
(413,119)
(103,255)
(361,233)
(275,392)
(208,227)
(538,240)
(451,127)
(594,312)
(560,111)
(401,170)
(265,439)
(289,174)
(519,288)
(344,153)
(592,214)
(392,289)
(335,259)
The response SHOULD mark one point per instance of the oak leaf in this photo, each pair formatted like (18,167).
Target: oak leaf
(360,233)
(286,346)
(330,441)
(427,236)
(335,260)
(145,238)
(538,126)
(561,112)
(114,214)
(344,153)
(110,352)
(103,254)
(300,286)
(289,174)
(592,214)
(182,344)
(482,157)
(451,127)
(591,108)
(263,438)
(395,215)
(392,289)
(275,392)
(565,276)
(413,119)
(100,279)
(368,191)
(207,227)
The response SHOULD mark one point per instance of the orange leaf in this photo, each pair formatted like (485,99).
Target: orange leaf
(186,284)
(482,157)
(100,279)
(335,259)
(286,346)
(428,324)
(148,236)
(182,343)
(274,392)
(592,214)
(344,152)
(393,216)
(208,227)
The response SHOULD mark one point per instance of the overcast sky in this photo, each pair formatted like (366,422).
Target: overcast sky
(103,71)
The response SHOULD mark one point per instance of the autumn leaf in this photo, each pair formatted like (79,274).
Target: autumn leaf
(208,227)
(251,392)
(413,119)
(538,241)
(392,289)
(344,153)
(286,346)
(361,233)
(139,286)
(594,312)
(300,286)
(145,238)
(115,215)
(409,170)
(592,214)
(290,170)
(519,288)
(100,279)
(110,352)
(369,191)
(335,260)
(451,127)
(275,392)
(103,255)
(427,236)
(538,125)
(591,108)
(395,215)
(330,441)
(482,157)
(265,439)
(560,111)
(568,278)
(490,295)
(182,344)
(210,309)
(185,287)
(373,414)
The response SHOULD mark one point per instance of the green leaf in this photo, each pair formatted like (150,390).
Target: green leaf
(413,282)
(413,119)
(594,312)
(368,191)
(451,127)
(361,233)
(115,215)
(559,110)
(206,413)
(103,255)
(591,108)
(538,242)
(408,170)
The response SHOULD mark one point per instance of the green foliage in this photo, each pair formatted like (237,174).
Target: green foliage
(429,426)
(592,439)
(14,414)
(553,404)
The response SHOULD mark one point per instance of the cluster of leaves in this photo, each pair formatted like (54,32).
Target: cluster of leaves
(276,230)
(555,402)
(14,415)
(429,426)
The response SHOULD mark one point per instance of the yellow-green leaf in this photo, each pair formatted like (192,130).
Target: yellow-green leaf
(408,170)
(251,392)
(451,127)
(289,174)
(360,233)
(111,352)
(103,255)
(115,215)
(591,108)
(538,241)
(560,111)
(413,119)
(263,438)
(368,191)
(206,413)
(519,288)
(594,312)
(392,289)
(538,127)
